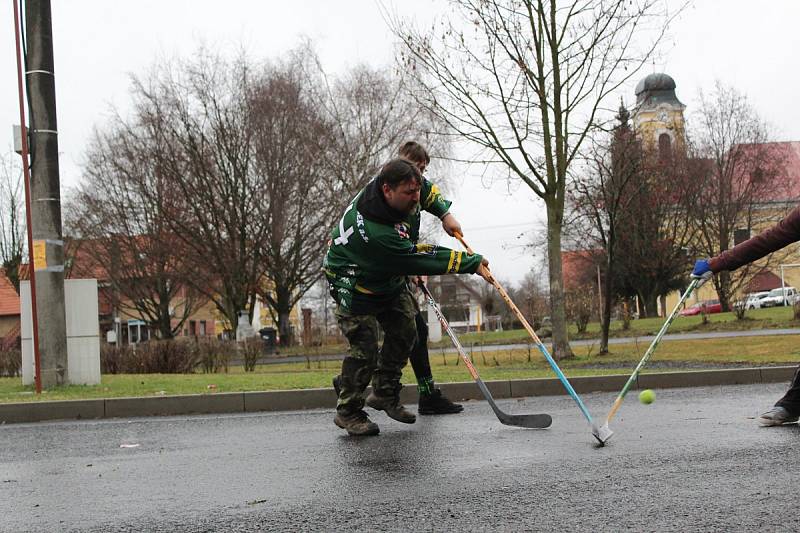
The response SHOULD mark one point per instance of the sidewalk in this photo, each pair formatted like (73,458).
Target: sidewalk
(292,400)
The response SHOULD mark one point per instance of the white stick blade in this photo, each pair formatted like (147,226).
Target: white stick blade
(602,433)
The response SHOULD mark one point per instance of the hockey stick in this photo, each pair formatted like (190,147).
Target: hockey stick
(538,421)
(646,357)
(601,434)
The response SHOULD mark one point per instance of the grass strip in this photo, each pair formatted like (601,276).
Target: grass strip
(492,365)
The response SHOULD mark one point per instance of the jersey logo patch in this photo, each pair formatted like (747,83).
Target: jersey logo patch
(402,230)
(425,249)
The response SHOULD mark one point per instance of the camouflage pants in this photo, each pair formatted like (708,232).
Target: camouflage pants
(366,362)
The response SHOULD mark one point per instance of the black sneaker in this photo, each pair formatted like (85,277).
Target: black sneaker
(392,406)
(437,404)
(337,383)
(357,424)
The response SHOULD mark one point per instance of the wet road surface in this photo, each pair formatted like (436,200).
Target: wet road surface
(695,460)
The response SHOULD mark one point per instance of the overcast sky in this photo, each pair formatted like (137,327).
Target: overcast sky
(99,43)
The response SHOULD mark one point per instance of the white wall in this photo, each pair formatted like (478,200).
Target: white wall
(83,332)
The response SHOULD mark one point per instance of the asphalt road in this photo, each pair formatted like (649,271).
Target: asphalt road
(695,460)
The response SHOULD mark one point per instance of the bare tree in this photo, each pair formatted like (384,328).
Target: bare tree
(743,172)
(601,196)
(655,232)
(12,218)
(317,141)
(372,113)
(198,111)
(531,297)
(522,81)
(119,216)
(257,162)
(289,134)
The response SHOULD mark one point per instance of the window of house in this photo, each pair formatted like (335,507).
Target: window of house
(192,328)
(202,331)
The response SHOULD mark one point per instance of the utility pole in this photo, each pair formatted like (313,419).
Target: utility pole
(45,207)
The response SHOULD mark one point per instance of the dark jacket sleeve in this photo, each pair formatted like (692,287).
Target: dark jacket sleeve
(778,236)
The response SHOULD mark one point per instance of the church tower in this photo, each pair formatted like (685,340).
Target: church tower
(658,116)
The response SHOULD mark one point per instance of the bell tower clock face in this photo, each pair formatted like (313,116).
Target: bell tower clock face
(662,116)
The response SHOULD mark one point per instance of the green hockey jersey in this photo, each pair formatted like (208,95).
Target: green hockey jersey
(374,247)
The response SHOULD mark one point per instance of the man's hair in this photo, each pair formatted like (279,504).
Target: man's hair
(398,171)
(414,152)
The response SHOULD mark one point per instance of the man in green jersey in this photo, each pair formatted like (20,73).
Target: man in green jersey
(431,399)
(372,251)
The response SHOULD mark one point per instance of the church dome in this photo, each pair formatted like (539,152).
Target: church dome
(655,89)
(656,82)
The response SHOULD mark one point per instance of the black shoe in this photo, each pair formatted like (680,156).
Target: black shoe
(437,404)
(357,424)
(392,406)
(337,384)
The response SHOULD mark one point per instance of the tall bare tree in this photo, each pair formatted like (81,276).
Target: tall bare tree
(655,232)
(259,160)
(744,179)
(289,134)
(119,218)
(317,141)
(522,81)
(198,111)
(12,217)
(600,198)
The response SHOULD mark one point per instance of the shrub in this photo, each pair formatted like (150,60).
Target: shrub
(578,306)
(215,355)
(167,357)
(625,316)
(153,357)
(113,357)
(10,362)
(251,350)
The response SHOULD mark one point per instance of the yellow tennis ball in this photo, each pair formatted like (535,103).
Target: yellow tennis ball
(647,396)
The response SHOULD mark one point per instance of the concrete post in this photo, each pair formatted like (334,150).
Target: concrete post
(48,244)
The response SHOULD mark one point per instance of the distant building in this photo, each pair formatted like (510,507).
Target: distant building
(121,322)
(9,313)
(460,303)
(658,115)
(658,119)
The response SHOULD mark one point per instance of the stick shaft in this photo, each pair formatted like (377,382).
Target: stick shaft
(460,349)
(537,421)
(486,273)
(649,352)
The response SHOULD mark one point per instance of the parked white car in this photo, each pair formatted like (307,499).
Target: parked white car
(778,297)
(754,300)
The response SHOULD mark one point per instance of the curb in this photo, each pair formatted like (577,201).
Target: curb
(293,400)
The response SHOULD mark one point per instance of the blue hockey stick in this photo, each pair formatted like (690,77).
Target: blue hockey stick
(602,434)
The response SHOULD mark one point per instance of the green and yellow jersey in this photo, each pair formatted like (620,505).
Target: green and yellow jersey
(373,248)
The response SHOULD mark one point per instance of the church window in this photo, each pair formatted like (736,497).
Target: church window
(664,147)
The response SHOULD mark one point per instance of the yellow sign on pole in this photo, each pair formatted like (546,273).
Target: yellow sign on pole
(39,255)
